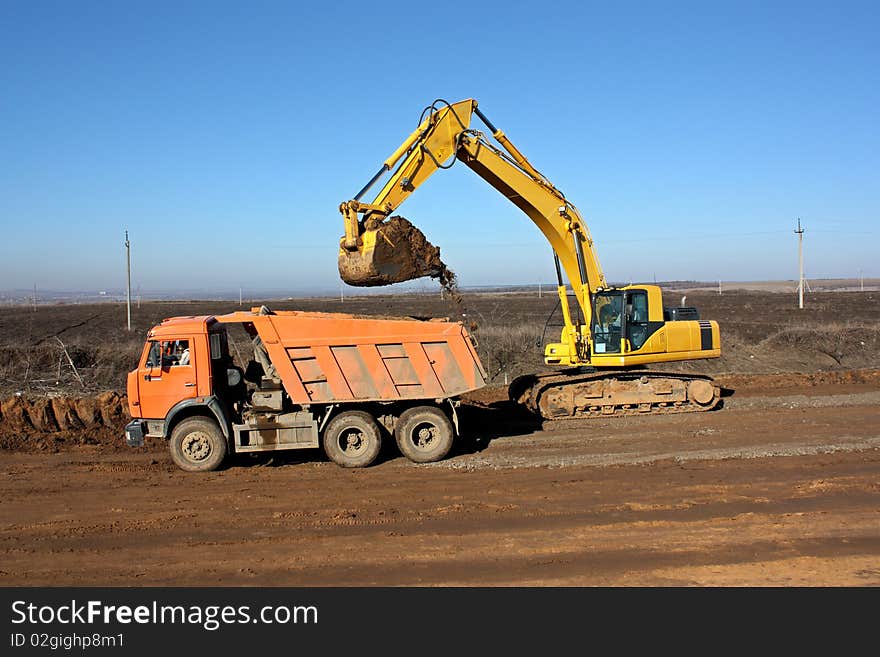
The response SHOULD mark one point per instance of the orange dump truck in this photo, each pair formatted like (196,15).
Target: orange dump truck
(316,379)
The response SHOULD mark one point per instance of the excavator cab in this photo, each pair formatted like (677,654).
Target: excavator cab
(621,321)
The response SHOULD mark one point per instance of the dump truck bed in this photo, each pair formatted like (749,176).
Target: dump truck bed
(336,357)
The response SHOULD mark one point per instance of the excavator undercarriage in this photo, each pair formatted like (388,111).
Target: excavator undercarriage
(576,394)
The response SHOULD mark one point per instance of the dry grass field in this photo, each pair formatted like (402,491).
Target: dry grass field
(761,332)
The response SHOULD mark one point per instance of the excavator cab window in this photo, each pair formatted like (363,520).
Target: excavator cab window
(607,316)
(637,318)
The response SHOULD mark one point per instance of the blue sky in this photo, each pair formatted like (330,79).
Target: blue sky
(223,136)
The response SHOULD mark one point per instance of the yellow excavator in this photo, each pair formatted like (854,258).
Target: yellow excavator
(613,334)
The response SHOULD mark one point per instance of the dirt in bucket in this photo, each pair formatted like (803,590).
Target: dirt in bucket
(402,253)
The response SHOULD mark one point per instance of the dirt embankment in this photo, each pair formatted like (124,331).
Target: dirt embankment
(51,423)
(786,381)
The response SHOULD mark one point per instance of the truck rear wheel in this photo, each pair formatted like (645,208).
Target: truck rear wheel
(197,445)
(424,434)
(352,439)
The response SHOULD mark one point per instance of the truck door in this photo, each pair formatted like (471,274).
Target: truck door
(167,376)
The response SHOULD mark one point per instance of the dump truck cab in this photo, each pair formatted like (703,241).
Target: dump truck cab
(185,370)
(315,379)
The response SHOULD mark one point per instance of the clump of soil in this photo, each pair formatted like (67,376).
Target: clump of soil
(402,253)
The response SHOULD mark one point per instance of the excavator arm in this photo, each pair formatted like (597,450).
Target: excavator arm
(372,252)
(622,329)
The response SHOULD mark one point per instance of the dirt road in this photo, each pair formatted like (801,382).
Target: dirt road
(781,487)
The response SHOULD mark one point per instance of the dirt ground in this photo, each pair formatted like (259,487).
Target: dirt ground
(781,487)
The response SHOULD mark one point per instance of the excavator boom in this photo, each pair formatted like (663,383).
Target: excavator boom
(378,250)
(399,251)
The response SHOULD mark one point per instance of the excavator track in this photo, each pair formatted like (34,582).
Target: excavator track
(613,393)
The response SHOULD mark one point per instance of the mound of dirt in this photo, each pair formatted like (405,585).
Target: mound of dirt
(804,381)
(850,346)
(48,423)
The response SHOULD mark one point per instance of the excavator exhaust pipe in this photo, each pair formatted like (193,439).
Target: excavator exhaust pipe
(393,252)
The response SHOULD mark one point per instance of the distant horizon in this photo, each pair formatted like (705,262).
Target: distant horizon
(116,295)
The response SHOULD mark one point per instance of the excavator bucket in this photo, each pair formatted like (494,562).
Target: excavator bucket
(394,252)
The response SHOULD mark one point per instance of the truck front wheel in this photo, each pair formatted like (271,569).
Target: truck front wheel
(352,439)
(197,445)
(424,434)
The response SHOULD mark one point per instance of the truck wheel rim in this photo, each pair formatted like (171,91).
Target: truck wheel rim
(196,446)
(352,441)
(424,435)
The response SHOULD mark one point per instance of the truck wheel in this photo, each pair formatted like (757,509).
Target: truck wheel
(197,445)
(424,434)
(352,439)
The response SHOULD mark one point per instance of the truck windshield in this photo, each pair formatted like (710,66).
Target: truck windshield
(607,310)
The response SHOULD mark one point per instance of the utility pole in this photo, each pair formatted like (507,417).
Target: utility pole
(800,233)
(239,296)
(719,287)
(128,275)
(35,297)
(861,281)
(539,290)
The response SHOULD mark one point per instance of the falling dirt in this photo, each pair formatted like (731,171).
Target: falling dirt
(450,291)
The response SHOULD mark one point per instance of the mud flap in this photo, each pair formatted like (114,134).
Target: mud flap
(134,433)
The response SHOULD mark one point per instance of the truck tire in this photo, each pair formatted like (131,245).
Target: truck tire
(424,434)
(352,439)
(197,445)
